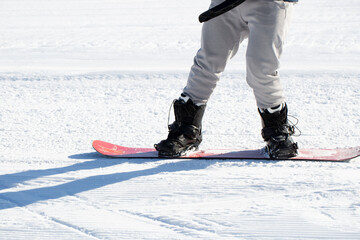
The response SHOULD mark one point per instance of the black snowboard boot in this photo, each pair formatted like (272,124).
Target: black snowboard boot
(185,132)
(277,133)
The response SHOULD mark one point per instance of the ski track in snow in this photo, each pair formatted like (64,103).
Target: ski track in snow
(75,71)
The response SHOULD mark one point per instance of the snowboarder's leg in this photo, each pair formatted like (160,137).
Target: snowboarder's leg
(268,24)
(221,37)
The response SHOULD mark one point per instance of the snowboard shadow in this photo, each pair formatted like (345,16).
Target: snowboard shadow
(26,197)
(98,161)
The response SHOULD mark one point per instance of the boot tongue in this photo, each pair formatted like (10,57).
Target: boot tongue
(183,98)
(188,113)
(274,117)
(275,109)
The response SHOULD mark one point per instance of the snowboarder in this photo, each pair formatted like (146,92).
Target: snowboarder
(264,23)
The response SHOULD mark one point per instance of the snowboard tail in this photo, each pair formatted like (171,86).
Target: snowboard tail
(336,155)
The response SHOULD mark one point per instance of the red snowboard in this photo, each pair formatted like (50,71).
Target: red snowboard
(336,155)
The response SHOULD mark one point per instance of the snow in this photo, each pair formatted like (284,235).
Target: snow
(75,71)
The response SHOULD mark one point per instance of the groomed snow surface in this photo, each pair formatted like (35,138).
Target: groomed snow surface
(75,71)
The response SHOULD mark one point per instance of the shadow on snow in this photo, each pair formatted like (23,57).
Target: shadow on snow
(26,197)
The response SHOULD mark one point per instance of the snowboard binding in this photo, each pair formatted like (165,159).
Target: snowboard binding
(185,132)
(277,133)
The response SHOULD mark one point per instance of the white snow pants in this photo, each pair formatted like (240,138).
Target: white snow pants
(264,23)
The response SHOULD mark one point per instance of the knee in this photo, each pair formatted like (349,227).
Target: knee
(262,65)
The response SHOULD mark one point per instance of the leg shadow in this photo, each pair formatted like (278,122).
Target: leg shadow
(27,197)
(10,180)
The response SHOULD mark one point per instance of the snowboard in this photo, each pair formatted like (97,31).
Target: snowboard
(335,155)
